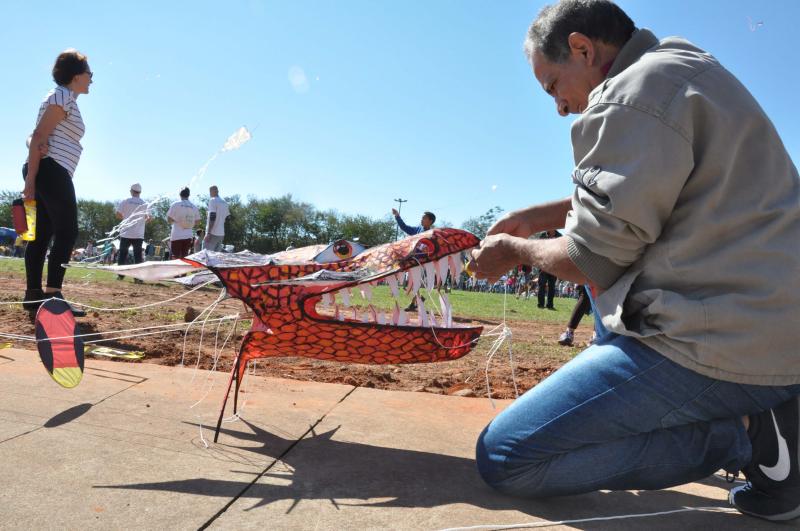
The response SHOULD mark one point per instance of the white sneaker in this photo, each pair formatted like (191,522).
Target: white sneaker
(566,338)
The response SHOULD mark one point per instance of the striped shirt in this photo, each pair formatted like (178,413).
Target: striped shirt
(64,143)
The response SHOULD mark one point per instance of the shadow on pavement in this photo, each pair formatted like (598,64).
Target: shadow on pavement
(322,468)
(68,415)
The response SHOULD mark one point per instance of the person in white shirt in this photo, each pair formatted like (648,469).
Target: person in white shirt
(184,217)
(134,214)
(218,211)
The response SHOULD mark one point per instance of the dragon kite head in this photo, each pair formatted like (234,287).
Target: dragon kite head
(301,300)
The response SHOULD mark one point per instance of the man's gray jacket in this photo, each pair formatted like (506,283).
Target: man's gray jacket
(686,213)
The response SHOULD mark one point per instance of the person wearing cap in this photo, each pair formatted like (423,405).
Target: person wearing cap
(184,216)
(218,211)
(134,213)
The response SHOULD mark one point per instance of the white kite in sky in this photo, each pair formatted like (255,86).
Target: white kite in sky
(237,139)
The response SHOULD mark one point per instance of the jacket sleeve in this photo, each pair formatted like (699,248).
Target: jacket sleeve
(411,231)
(630,170)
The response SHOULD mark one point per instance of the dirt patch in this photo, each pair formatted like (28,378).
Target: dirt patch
(536,353)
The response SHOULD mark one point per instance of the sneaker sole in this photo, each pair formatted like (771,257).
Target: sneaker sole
(782,517)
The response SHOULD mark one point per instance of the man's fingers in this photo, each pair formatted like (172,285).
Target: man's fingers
(500,227)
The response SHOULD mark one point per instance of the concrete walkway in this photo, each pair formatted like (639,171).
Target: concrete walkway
(124,450)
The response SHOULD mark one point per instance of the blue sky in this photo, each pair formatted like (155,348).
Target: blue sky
(351,103)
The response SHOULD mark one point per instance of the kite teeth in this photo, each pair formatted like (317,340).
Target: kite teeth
(392,281)
(415,276)
(456,267)
(345,297)
(442,269)
(430,275)
(421,312)
(447,310)
(366,292)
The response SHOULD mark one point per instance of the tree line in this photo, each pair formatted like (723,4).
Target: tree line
(260,225)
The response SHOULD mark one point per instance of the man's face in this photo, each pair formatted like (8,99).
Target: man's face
(570,82)
(426,222)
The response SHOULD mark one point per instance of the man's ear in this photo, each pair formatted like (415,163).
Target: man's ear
(581,46)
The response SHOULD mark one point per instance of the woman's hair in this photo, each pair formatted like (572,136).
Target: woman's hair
(69,64)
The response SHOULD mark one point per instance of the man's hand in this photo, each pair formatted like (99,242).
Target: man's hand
(513,224)
(496,256)
(395,213)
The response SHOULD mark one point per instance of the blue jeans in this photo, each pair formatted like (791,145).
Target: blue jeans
(620,416)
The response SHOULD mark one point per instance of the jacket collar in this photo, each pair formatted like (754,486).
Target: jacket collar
(641,41)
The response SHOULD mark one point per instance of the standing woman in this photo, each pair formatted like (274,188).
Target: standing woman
(53,154)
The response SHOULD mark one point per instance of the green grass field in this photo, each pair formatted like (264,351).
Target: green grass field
(482,305)
(17,265)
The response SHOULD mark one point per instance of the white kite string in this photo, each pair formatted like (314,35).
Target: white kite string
(163,329)
(546,523)
(210,309)
(222,295)
(501,333)
(217,355)
(210,378)
(127,308)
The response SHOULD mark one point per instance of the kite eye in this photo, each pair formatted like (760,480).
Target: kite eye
(424,247)
(338,251)
(343,250)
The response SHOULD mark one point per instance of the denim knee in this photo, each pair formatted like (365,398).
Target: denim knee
(488,462)
(500,473)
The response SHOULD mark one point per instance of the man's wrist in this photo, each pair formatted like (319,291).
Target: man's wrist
(522,249)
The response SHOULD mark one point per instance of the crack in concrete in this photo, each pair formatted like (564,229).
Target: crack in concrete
(21,434)
(278,459)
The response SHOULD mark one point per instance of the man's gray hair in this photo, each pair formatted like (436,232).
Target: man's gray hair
(601,20)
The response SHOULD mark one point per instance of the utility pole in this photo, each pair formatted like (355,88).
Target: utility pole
(399,208)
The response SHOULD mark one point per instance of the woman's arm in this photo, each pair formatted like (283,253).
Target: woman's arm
(52,116)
